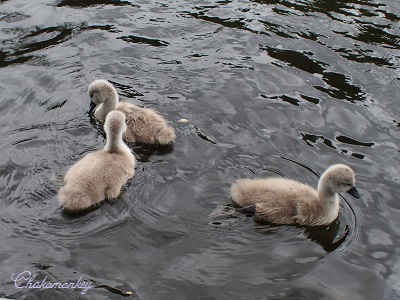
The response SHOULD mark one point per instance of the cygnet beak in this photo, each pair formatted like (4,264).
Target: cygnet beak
(91,107)
(353,191)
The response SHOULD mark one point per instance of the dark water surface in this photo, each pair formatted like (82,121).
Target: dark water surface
(273,87)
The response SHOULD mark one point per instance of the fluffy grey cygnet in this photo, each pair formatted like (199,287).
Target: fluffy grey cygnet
(99,175)
(144,125)
(285,201)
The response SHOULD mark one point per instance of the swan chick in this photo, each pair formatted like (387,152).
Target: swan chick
(144,125)
(285,201)
(99,175)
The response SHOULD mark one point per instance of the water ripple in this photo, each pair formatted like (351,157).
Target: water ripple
(312,140)
(34,40)
(126,90)
(88,3)
(12,17)
(296,101)
(143,40)
(365,56)
(340,88)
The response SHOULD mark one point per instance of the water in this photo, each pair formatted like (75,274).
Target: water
(269,88)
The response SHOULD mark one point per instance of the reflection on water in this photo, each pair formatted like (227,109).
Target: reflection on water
(340,88)
(82,3)
(269,88)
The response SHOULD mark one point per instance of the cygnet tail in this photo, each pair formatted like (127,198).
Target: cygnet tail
(166,136)
(73,201)
(238,194)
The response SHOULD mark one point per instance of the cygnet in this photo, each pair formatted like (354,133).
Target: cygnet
(285,201)
(99,175)
(143,125)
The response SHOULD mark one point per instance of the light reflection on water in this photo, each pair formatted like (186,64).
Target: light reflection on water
(269,88)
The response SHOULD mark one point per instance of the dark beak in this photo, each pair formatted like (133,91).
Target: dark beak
(353,191)
(91,107)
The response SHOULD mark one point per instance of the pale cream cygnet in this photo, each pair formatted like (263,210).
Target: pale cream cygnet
(144,125)
(285,201)
(99,175)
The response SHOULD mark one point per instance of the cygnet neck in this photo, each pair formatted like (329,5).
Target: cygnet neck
(110,103)
(329,199)
(114,142)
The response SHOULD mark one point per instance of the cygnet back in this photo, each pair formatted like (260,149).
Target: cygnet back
(99,175)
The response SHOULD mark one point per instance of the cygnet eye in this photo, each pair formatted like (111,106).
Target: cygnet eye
(91,95)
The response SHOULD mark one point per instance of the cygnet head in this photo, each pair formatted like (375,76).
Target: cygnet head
(101,91)
(340,178)
(115,124)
